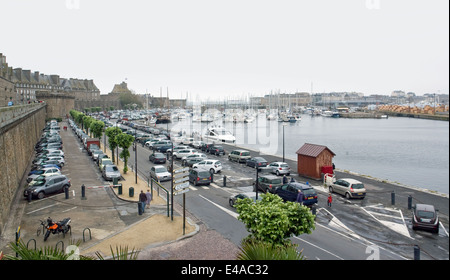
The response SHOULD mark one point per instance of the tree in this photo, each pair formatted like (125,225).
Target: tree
(273,221)
(87,120)
(96,128)
(112,132)
(125,141)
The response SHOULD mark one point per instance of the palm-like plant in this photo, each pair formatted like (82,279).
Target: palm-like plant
(254,250)
(53,253)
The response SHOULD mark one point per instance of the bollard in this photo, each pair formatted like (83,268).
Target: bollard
(409,202)
(212,177)
(224,181)
(30,196)
(140,208)
(131,191)
(416,253)
(83,192)
(66,191)
(393,198)
(119,187)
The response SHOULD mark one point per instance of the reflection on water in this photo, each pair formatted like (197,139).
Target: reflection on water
(408,151)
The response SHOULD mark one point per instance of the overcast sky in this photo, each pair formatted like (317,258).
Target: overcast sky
(224,48)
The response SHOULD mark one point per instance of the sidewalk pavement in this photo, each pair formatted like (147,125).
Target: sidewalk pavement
(156,229)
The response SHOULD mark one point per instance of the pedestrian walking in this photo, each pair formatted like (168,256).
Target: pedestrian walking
(329,200)
(142,200)
(148,194)
(299,197)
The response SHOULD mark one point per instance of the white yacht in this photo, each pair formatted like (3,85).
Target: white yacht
(219,133)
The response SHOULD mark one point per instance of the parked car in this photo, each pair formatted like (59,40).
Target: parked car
(177,148)
(425,217)
(280,168)
(213,166)
(52,170)
(38,167)
(160,173)
(188,157)
(216,150)
(162,148)
(104,162)
(95,154)
(269,183)
(239,155)
(290,191)
(350,188)
(192,161)
(206,146)
(155,145)
(110,172)
(256,162)
(199,177)
(157,158)
(181,153)
(233,199)
(48,186)
(197,144)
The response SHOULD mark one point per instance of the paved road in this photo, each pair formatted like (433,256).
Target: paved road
(385,229)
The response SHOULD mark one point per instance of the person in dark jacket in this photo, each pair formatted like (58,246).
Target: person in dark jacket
(142,200)
(299,197)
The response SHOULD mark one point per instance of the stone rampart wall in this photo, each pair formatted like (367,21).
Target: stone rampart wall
(20,129)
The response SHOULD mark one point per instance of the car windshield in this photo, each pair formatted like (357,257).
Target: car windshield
(204,174)
(159,156)
(245,154)
(39,183)
(160,170)
(276,181)
(284,165)
(258,159)
(309,192)
(358,186)
(111,168)
(425,214)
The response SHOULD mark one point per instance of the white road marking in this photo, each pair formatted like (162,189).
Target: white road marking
(229,212)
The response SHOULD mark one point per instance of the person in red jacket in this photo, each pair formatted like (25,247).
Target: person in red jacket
(330,199)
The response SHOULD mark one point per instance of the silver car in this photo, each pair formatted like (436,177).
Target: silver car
(280,168)
(110,172)
(160,173)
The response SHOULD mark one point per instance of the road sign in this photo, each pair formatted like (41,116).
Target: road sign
(181,170)
(185,190)
(182,186)
(179,175)
(181,180)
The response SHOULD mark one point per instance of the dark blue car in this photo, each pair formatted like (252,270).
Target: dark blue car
(163,148)
(289,192)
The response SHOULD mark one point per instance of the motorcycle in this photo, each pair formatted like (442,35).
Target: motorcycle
(55,228)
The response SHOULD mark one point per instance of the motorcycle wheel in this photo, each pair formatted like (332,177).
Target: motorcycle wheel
(47,234)
(66,230)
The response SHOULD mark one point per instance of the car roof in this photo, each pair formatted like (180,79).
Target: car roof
(351,181)
(300,185)
(425,207)
(270,176)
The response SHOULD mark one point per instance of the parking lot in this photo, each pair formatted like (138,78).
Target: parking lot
(93,216)
(100,213)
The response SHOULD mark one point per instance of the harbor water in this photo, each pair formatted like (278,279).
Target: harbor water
(412,152)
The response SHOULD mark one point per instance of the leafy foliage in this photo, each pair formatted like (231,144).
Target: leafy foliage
(124,141)
(273,221)
(112,132)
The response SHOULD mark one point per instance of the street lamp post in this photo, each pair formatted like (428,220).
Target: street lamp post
(283,140)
